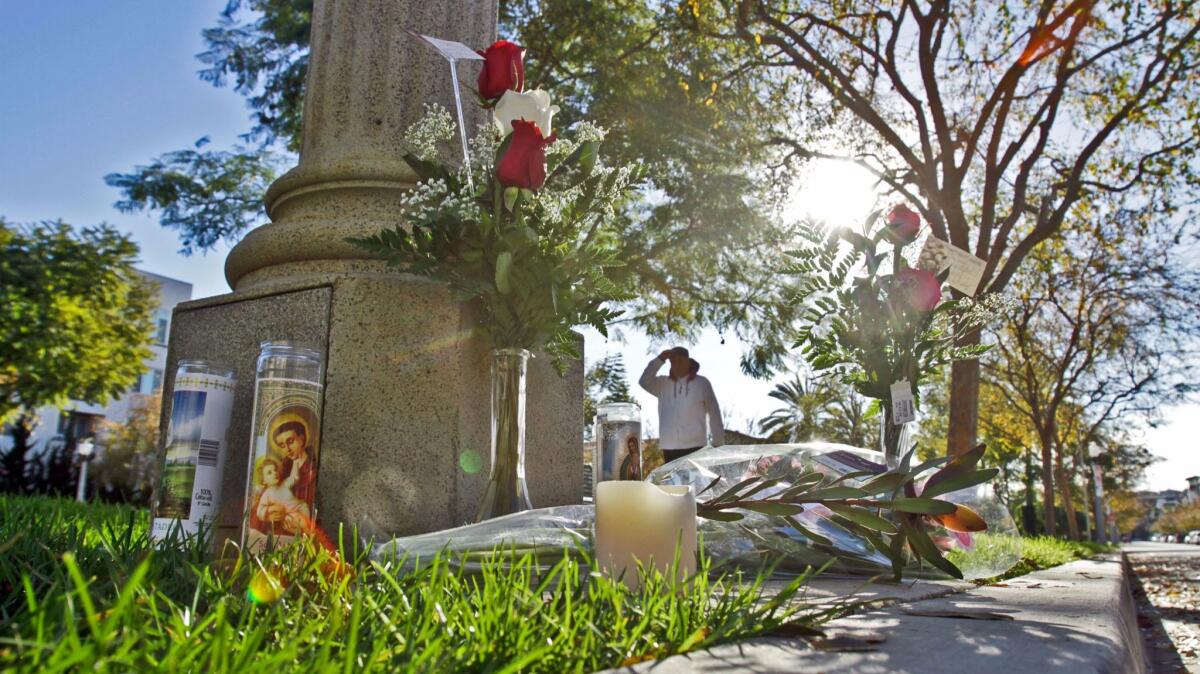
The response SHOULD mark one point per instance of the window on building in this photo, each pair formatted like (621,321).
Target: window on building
(76,425)
(160,331)
(150,382)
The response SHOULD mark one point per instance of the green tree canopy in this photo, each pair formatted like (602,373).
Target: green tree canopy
(75,318)
(694,239)
(605,382)
(998,120)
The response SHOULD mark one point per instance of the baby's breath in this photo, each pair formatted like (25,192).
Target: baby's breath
(483,146)
(435,127)
(587,132)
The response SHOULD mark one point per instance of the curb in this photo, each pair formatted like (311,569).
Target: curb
(1079,617)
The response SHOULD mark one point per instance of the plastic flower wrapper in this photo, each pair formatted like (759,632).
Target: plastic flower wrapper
(828,529)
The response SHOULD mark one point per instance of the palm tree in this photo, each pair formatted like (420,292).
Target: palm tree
(820,410)
(803,414)
(852,420)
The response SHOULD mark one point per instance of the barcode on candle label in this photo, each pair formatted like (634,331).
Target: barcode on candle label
(903,410)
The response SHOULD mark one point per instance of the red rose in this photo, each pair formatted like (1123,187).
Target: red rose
(917,288)
(903,224)
(503,69)
(524,162)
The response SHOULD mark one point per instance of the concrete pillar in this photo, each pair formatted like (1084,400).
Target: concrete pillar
(406,376)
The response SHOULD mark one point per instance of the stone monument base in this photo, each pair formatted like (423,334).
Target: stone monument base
(407,397)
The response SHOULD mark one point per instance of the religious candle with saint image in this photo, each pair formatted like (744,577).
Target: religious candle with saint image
(646,524)
(284,446)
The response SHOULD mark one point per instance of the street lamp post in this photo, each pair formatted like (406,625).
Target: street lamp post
(85,448)
(1098,477)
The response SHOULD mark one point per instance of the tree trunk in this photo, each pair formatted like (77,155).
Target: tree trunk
(1064,488)
(1029,515)
(964,401)
(1048,487)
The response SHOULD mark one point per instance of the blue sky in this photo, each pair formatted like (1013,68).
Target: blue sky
(91,87)
(96,86)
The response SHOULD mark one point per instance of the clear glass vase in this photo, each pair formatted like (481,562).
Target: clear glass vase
(894,439)
(506,492)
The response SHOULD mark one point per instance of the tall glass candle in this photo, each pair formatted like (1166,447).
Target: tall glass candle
(189,490)
(285,441)
(644,522)
(618,454)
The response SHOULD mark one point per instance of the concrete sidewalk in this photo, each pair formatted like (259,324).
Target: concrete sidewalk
(1075,618)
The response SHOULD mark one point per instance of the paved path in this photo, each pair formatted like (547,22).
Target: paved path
(1074,619)
(1167,589)
(1139,548)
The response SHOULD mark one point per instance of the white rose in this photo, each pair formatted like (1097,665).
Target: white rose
(531,106)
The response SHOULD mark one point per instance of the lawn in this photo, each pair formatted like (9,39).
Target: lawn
(80,588)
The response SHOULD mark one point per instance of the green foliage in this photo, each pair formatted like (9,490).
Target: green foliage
(693,235)
(263,46)
(75,318)
(539,263)
(127,468)
(1037,553)
(861,329)
(698,231)
(206,195)
(88,591)
(820,409)
(722,101)
(604,382)
(1181,519)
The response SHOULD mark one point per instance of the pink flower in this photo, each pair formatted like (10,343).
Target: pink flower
(917,288)
(903,224)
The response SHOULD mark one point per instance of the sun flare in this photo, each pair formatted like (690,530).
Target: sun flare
(836,193)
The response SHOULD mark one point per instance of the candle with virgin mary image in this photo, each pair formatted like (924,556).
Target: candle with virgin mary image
(618,442)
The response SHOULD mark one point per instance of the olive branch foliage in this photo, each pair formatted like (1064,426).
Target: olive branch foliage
(538,262)
(883,508)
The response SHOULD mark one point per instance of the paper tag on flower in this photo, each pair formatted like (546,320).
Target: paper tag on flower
(903,408)
(455,51)
(966,270)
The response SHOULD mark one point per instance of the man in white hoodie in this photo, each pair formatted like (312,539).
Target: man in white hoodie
(684,400)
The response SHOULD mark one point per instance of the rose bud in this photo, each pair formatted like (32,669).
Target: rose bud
(903,224)
(917,288)
(524,162)
(503,69)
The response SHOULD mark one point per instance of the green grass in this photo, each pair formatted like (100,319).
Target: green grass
(81,589)
(1040,552)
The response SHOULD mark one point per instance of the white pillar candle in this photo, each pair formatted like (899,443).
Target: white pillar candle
(639,521)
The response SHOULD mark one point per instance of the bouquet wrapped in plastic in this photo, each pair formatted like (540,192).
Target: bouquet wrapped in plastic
(792,506)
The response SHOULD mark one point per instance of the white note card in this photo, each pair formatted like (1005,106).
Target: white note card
(903,407)
(966,270)
(455,51)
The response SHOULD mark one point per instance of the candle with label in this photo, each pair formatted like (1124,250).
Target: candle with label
(643,522)
(189,491)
